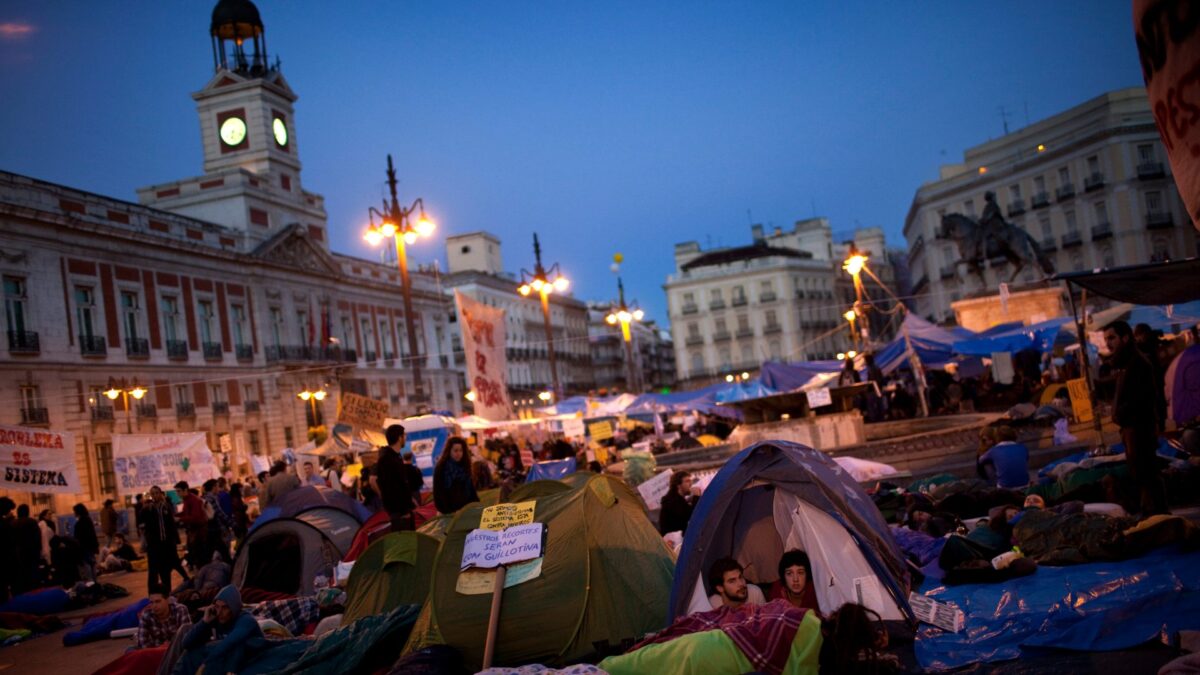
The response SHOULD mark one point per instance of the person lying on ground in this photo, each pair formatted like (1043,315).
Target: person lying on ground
(218,642)
(160,621)
(795,581)
(731,587)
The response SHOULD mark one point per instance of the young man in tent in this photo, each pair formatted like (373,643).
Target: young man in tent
(795,581)
(731,587)
(218,642)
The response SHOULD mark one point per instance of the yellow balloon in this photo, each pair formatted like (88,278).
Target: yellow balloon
(618,257)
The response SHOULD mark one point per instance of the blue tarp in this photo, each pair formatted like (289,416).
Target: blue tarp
(1040,336)
(1096,607)
(1182,315)
(551,470)
(744,391)
(701,400)
(781,377)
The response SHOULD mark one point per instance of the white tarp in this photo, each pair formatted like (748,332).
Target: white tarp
(144,460)
(38,460)
(863,470)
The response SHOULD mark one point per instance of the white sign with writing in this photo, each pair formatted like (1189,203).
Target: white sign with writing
(655,489)
(574,428)
(144,460)
(818,398)
(485,549)
(38,460)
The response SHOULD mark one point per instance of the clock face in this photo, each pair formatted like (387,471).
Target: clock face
(233,131)
(280,129)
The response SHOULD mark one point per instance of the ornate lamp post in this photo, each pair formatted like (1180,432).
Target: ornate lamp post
(544,282)
(399,224)
(116,389)
(622,314)
(312,397)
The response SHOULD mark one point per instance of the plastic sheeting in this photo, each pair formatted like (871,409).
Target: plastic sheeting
(1040,336)
(1095,607)
(551,470)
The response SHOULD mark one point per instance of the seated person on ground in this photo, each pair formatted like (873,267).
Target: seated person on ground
(731,588)
(795,581)
(122,549)
(218,642)
(214,575)
(1007,462)
(160,621)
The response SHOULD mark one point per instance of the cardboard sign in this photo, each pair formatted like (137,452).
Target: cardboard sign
(1002,367)
(573,428)
(940,614)
(486,549)
(360,411)
(482,582)
(1081,402)
(600,431)
(818,398)
(500,516)
(37,460)
(655,489)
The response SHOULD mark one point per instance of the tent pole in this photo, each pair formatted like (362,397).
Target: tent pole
(1083,357)
(489,646)
(918,371)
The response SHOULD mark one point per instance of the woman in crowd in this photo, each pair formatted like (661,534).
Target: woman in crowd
(452,486)
(85,534)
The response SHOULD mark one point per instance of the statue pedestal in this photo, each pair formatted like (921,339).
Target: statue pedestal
(1028,305)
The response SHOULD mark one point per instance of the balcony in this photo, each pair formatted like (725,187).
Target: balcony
(304,354)
(764,298)
(772,328)
(93,345)
(1151,170)
(949,272)
(251,406)
(1049,244)
(1064,192)
(38,416)
(137,348)
(690,309)
(745,332)
(370,358)
(1039,200)
(722,336)
(177,350)
(693,340)
(102,413)
(1159,220)
(244,352)
(716,304)
(739,302)
(350,355)
(185,410)
(1093,182)
(147,410)
(1071,239)
(212,351)
(388,358)
(23,342)
(1016,207)
(220,408)
(1101,231)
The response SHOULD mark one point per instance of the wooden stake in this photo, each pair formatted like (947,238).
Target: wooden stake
(489,647)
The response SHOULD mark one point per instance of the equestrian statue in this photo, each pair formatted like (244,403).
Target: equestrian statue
(992,237)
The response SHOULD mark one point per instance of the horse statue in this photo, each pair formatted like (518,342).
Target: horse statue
(976,245)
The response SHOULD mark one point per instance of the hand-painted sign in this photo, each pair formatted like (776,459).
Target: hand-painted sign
(360,411)
(486,549)
(484,341)
(144,460)
(38,460)
(501,516)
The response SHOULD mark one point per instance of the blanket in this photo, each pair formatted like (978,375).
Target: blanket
(1071,539)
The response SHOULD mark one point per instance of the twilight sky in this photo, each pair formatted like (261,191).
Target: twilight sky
(605,127)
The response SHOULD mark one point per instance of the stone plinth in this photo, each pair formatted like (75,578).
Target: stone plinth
(1028,306)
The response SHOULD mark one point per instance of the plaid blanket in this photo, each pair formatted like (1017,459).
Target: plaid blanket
(764,633)
(294,613)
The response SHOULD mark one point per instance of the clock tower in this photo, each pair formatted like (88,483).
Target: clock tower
(247,128)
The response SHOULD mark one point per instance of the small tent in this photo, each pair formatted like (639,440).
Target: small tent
(284,555)
(776,496)
(311,497)
(393,571)
(605,578)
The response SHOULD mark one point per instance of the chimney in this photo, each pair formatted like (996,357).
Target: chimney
(756,231)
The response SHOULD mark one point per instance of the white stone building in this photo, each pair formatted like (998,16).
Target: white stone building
(1091,185)
(651,348)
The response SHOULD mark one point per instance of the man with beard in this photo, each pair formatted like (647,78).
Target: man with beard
(731,588)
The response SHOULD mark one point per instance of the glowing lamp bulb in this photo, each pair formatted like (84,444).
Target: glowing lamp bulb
(410,237)
(538,284)
(387,229)
(113,393)
(611,319)
(561,284)
(470,395)
(624,316)
(373,236)
(138,393)
(638,314)
(545,396)
(850,315)
(745,376)
(851,354)
(425,227)
(304,395)
(320,395)
(854,264)
(524,289)
(729,378)
(841,356)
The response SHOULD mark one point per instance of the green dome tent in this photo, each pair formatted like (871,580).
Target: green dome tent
(393,571)
(605,578)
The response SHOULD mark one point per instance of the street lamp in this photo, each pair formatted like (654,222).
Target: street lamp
(399,224)
(738,378)
(312,397)
(136,391)
(622,314)
(544,282)
(852,316)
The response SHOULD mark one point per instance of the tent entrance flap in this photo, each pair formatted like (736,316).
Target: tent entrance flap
(275,563)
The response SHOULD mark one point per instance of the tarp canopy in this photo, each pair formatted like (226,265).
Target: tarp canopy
(285,555)
(551,469)
(701,400)
(605,577)
(1164,283)
(393,571)
(777,496)
(1040,336)
(743,391)
(781,377)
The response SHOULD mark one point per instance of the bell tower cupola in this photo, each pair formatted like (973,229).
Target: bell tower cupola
(239,40)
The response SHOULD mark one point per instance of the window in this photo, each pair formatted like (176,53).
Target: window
(368,342)
(1106,256)
(302,328)
(104,468)
(14,303)
(693,330)
(774,350)
(689,298)
(252,441)
(85,311)
(216,393)
(743,322)
(772,319)
(1076,262)
(347,333)
(969,207)
(1093,164)
(288,438)
(239,325)
(1039,184)
(183,393)
(170,312)
(205,310)
(739,294)
(466,249)
(129,314)
(1161,249)
(249,393)
(715,295)
(1014,192)
(720,325)
(697,362)
(383,334)
(1069,217)
(1100,209)
(1047,228)
(1064,176)
(1154,203)
(1145,153)
(31,397)
(276,326)
(747,354)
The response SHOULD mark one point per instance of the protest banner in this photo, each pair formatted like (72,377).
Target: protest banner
(573,427)
(501,516)
(144,460)
(818,398)
(655,489)
(362,412)
(486,549)
(484,341)
(38,460)
(600,431)
(1081,400)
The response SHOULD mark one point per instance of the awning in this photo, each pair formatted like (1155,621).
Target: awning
(1165,283)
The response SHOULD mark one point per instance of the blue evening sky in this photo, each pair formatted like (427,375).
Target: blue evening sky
(605,127)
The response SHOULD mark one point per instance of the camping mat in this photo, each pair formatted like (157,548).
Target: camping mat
(1093,607)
